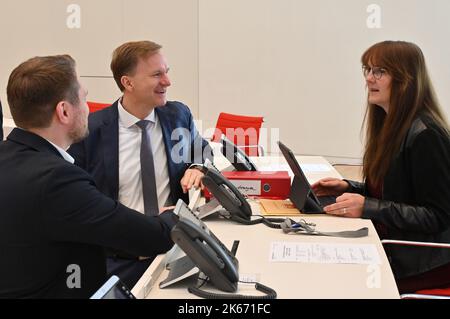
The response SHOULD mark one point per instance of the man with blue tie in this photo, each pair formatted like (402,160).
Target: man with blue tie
(142,150)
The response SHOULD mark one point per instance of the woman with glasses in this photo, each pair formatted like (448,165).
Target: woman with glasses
(406,166)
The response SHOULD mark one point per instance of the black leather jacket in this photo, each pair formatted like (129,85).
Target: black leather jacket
(415,202)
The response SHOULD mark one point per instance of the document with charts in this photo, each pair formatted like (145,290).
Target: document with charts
(324,253)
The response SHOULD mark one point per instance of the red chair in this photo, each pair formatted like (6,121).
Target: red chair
(95,106)
(438,293)
(241,130)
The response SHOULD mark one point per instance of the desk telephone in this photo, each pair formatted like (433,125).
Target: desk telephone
(228,195)
(210,255)
(233,201)
(236,156)
(206,251)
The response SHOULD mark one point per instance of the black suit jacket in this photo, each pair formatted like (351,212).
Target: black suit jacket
(98,154)
(52,216)
(415,203)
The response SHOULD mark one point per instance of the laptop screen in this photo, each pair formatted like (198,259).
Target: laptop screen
(301,192)
(291,160)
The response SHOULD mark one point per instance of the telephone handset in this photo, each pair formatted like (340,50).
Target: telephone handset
(233,201)
(236,156)
(227,195)
(207,252)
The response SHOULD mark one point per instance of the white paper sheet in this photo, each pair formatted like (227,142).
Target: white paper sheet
(324,253)
(273,167)
(307,168)
(315,168)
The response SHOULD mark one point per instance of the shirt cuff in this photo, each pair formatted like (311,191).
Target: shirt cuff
(200,167)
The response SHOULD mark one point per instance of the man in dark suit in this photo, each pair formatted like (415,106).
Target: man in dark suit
(112,153)
(55,223)
(1,122)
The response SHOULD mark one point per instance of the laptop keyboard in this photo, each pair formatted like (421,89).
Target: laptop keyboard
(326,200)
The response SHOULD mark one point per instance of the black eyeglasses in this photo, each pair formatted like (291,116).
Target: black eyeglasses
(376,71)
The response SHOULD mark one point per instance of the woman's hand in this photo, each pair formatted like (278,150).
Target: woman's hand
(330,186)
(347,205)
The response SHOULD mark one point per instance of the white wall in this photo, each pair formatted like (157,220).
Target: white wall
(38,27)
(294,61)
(298,63)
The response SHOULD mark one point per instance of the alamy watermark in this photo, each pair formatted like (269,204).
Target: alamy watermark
(74,279)
(189,147)
(374,18)
(374,278)
(73,20)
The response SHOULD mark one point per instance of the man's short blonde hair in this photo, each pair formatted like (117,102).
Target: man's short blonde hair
(126,57)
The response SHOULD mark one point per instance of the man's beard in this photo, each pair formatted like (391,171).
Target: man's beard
(77,135)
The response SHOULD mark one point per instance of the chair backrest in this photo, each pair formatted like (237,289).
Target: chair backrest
(241,130)
(95,106)
(435,292)
(432,293)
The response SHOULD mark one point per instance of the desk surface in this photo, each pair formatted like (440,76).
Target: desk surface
(290,280)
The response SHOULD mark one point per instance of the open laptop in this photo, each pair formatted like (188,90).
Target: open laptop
(302,195)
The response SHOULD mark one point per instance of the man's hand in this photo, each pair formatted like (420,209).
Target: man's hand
(164,209)
(192,177)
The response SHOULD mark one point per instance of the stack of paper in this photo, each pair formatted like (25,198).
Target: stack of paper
(278,208)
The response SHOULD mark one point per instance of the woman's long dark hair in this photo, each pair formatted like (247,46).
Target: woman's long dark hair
(412,94)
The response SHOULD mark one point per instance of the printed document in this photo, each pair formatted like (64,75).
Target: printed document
(324,253)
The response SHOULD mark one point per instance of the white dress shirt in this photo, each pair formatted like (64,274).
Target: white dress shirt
(130,181)
(63,153)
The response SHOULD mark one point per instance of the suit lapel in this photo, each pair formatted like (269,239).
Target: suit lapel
(167,127)
(110,143)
